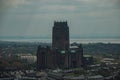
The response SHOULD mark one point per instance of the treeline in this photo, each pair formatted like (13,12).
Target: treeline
(7,47)
(102,48)
(26,47)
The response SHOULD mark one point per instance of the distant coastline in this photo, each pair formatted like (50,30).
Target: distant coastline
(49,40)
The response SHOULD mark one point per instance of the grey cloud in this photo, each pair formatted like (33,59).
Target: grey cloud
(34,17)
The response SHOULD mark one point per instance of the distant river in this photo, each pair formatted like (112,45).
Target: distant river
(46,40)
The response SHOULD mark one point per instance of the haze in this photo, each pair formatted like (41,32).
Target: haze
(86,18)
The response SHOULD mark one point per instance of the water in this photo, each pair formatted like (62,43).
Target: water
(49,40)
(96,40)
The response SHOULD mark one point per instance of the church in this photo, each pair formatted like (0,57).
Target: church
(61,54)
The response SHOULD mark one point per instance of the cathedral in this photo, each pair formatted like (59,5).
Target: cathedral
(61,54)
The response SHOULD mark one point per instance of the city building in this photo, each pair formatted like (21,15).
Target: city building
(27,58)
(88,60)
(61,54)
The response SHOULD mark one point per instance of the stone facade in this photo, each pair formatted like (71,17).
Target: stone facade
(61,54)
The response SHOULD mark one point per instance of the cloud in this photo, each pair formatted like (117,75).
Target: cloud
(9,3)
(12,2)
(35,15)
(55,8)
(98,1)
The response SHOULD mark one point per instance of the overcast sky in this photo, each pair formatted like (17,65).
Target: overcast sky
(86,18)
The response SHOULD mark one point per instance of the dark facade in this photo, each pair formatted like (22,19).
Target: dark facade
(61,54)
(43,56)
(87,60)
(76,56)
(60,36)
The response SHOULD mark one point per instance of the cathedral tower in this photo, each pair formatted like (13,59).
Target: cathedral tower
(60,36)
(61,54)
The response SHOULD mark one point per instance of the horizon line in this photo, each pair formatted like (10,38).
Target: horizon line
(74,37)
